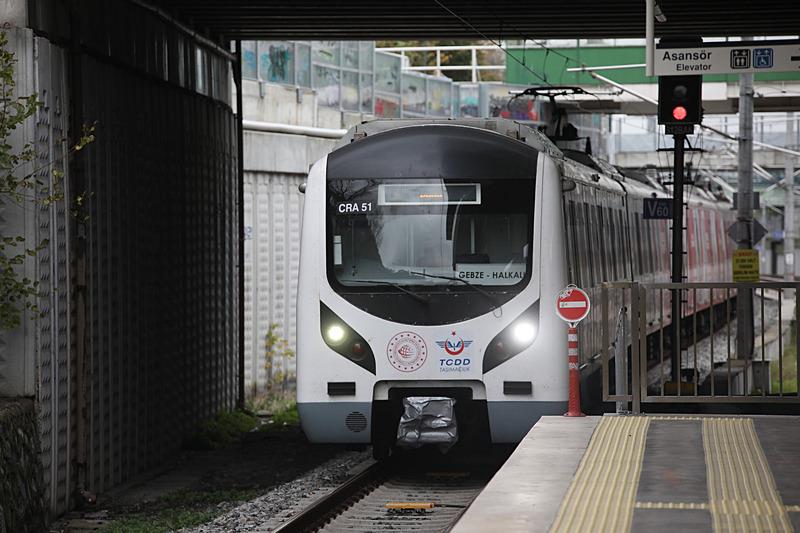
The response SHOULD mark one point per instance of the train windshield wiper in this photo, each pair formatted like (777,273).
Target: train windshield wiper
(465,282)
(397,286)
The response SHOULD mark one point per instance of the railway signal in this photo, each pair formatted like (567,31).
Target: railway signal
(680,100)
(680,107)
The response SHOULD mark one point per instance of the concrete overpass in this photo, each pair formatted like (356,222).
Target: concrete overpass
(510,19)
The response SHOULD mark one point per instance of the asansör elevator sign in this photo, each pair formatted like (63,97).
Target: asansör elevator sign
(727,58)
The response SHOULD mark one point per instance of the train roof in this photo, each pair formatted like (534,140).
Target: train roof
(574,164)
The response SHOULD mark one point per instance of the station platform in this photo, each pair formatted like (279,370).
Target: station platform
(646,474)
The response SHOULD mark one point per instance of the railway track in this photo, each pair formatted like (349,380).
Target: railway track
(393,496)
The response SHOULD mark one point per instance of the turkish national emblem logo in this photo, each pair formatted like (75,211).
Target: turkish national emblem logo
(407,351)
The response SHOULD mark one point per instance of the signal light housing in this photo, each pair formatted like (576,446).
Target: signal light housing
(680,99)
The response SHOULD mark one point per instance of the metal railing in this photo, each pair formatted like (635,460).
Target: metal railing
(721,360)
(474,66)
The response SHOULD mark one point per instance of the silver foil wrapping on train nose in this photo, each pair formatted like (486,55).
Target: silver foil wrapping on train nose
(427,420)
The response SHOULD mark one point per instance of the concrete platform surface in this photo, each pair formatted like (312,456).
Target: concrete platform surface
(527,491)
(647,474)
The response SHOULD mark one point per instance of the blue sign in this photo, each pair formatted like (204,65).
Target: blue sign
(762,57)
(657,209)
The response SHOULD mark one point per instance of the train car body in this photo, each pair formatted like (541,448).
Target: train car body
(431,256)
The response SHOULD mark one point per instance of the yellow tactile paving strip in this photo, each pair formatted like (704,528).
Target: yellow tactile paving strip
(602,494)
(741,489)
(671,505)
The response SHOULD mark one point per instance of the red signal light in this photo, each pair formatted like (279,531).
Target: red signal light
(679,112)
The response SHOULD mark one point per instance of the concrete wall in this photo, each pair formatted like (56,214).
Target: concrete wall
(275,164)
(273,211)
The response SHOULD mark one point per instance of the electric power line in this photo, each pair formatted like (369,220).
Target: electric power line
(486,37)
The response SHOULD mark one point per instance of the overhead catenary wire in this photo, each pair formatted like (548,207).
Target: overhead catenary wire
(548,50)
(499,45)
(522,62)
(525,39)
(727,138)
(621,87)
(486,37)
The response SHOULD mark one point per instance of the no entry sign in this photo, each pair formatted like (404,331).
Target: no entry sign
(572,304)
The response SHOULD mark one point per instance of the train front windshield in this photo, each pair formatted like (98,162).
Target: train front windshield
(430,232)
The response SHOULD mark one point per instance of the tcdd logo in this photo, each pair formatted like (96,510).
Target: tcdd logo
(454,362)
(454,346)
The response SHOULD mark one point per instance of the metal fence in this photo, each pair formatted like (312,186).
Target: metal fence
(720,362)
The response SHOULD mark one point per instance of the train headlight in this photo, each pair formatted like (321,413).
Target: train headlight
(335,334)
(344,340)
(513,339)
(524,333)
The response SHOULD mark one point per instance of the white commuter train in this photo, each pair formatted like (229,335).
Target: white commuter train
(431,256)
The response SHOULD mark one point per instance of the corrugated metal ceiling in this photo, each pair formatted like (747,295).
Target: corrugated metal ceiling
(506,19)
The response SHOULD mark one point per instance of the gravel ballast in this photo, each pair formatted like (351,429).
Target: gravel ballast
(270,510)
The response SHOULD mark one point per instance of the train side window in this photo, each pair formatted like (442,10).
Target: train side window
(624,242)
(612,240)
(591,242)
(656,247)
(611,260)
(643,246)
(637,242)
(567,238)
(590,258)
(602,274)
(586,260)
(586,263)
(715,258)
(633,246)
(619,234)
(648,255)
(572,223)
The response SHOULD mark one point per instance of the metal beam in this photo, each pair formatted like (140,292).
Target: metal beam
(744,214)
(605,67)
(382,19)
(623,88)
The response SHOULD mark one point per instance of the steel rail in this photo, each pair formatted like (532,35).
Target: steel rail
(316,514)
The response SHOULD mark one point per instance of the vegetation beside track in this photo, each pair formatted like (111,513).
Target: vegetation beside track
(186,508)
(789,367)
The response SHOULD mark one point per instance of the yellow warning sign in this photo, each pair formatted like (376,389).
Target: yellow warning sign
(746,266)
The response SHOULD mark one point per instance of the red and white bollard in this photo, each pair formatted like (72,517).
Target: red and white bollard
(574,406)
(572,306)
